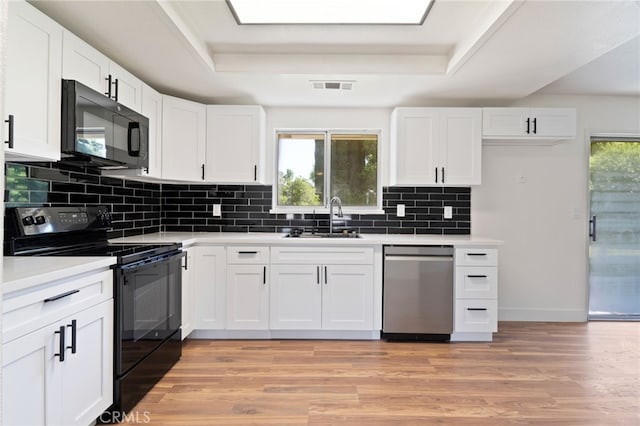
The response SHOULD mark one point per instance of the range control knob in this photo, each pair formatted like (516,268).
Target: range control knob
(27,220)
(40,220)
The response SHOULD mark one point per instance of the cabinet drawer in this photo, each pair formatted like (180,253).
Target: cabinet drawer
(476,257)
(25,311)
(476,315)
(476,282)
(247,254)
(322,255)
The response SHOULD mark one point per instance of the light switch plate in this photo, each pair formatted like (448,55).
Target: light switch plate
(217,210)
(400,210)
(448,212)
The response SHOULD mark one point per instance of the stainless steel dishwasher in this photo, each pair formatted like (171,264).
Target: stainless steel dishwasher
(417,299)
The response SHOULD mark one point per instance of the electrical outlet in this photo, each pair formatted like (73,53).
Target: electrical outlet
(217,210)
(400,210)
(448,212)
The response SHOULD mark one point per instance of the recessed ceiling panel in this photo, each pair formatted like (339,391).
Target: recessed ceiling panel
(371,12)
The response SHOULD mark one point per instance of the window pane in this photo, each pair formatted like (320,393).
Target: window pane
(354,169)
(300,169)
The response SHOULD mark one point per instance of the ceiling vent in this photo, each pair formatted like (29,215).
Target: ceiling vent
(332,85)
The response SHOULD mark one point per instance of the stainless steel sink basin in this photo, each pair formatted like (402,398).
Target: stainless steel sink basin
(324,235)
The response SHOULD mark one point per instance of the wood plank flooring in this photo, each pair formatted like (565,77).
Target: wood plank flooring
(533,373)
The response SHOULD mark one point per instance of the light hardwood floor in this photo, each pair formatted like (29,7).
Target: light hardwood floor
(532,373)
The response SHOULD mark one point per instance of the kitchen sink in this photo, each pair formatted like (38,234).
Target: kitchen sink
(323,235)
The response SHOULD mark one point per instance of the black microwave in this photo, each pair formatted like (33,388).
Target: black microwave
(98,131)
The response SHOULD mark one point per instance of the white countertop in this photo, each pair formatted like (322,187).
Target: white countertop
(23,272)
(191,238)
(20,272)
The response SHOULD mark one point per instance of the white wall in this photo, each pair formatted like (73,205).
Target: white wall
(544,221)
(327,118)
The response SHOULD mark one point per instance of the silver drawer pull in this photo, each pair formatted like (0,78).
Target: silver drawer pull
(62,295)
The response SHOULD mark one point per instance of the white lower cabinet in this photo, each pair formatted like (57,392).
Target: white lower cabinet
(209,266)
(296,297)
(347,297)
(247,288)
(41,387)
(321,295)
(476,293)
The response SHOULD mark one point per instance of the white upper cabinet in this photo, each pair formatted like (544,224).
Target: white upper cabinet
(152,109)
(125,87)
(183,139)
(83,63)
(235,144)
(540,124)
(436,146)
(33,85)
(87,65)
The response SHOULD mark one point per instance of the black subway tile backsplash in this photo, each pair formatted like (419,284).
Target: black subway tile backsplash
(144,207)
(74,185)
(245,208)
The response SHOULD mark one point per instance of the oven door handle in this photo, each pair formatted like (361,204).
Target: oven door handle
(153,262)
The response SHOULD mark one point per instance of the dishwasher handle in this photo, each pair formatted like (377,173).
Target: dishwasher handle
(417,258)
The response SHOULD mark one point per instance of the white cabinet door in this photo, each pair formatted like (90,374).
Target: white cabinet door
(126,88)
(209,278)
(554,122)
(33,84)
(414,145)
(188,284)
(30,375)
(296,297)
(183,139)
(436,146)
(39,388)
(152,109)
(247,297)
(504,121)
(461,146)
(83,63)
(347,297)
(87,375)
(235,144)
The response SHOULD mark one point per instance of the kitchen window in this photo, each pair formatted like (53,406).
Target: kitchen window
(315,166)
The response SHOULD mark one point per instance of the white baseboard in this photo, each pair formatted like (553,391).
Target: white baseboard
(543,315)
(286,334)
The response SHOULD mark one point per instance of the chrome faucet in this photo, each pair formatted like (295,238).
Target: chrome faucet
(338,201)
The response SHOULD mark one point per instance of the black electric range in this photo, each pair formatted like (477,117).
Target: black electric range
(71,231)
(147,288)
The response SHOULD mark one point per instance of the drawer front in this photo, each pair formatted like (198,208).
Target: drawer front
(247,254)
(476,282)
(476,257)
(476,315)
(322,255)
(36,307)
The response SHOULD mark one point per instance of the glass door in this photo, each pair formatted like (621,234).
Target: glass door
(614,249)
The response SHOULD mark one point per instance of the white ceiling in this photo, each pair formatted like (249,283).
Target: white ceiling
(466,52)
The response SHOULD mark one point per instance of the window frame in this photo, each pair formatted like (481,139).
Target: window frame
(377,209)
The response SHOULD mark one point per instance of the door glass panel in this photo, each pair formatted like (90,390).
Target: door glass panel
(614,250)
